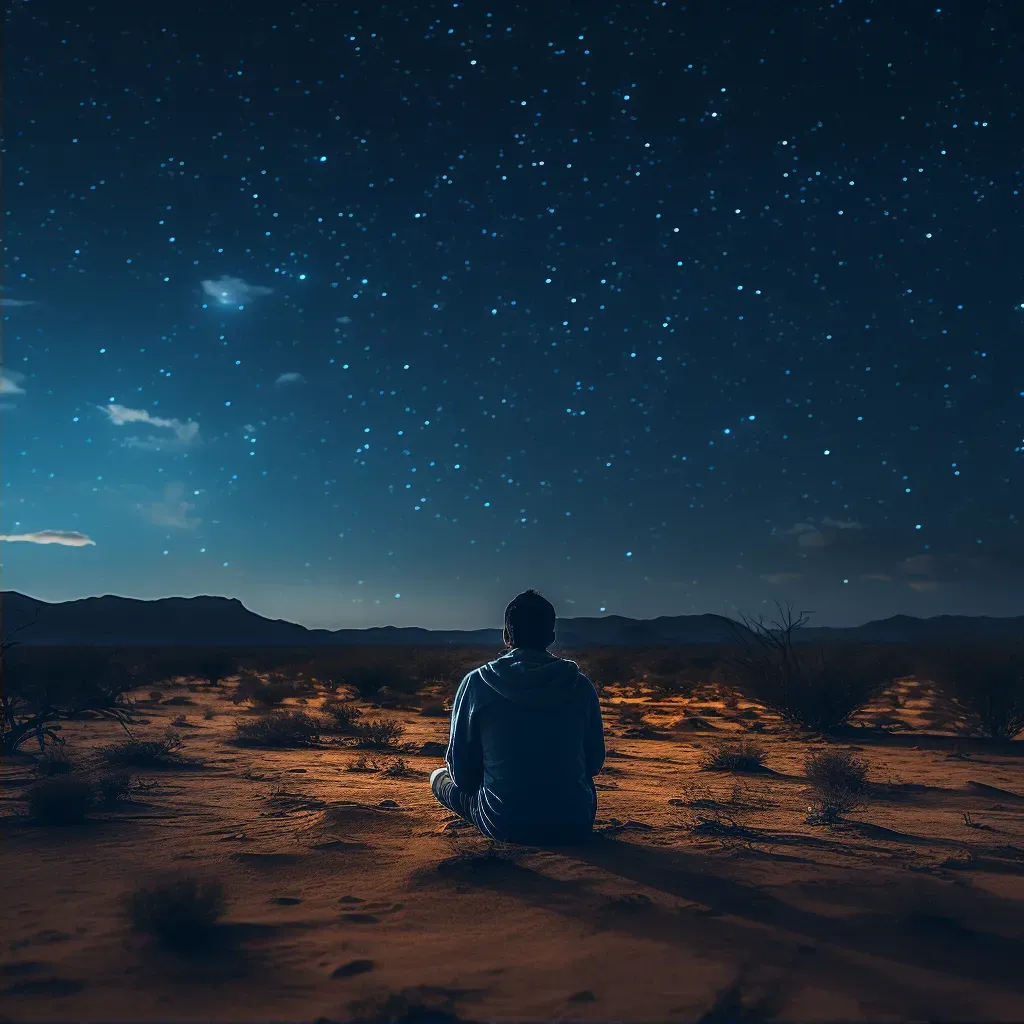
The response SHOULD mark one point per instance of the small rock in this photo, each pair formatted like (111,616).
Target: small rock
(351,899)
(586,996)
(299,771)
(286,901)
(387,803)
(353,967)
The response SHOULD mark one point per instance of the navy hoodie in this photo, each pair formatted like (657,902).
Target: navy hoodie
(526,742)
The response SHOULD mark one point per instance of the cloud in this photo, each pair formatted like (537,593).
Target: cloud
(173,510)
(782,577)
(842,524)
(876,577)
(10,382)
(14,303)
(807,534)
(185,433)
(290,378)
(233,291)
(66,538)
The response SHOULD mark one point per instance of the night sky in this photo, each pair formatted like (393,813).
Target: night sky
(382,315)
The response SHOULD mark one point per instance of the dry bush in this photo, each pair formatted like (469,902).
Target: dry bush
(215,668)
(209,714)
(379,733)
(280,729)
(115,787)
(340,715)
(362,763)
(271,691)
(44,686)
(810,685)
(734,756)
(55,760)
(838,782)
(399,769)
(180,722)
(133,753)
(986,681)
(60,801)
(180,913)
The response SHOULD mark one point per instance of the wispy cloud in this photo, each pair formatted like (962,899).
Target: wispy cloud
(14,303)
(173,510)
(876,577)
(184,432)
(807,535)
(842,524)
(290,378)
(10,382)
(233,291)
(66,538)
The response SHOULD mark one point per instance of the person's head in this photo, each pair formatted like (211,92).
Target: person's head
(529,621)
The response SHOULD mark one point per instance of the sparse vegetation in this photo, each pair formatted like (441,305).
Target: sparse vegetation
(271,690)
(180,721)
(341,715)
(734,756)
(135,753)
(61,800)
(180,913)
(838,781)
(280,729)
(986,681)
(44,686)
(809,685)
(398,769)
(209,714)
(55,760)
(379,733)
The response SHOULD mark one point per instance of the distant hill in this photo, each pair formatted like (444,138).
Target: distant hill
(226,622)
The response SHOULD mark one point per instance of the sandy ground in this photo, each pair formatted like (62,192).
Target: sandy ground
(341,907)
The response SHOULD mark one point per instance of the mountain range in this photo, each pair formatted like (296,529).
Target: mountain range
(226,622)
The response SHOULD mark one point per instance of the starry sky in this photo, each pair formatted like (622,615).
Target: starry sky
(381,314)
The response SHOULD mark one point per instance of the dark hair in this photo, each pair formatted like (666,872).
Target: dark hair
(530,621)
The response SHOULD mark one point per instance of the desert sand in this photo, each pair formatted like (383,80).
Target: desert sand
(703,895)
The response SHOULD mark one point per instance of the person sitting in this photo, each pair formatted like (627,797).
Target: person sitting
(526,739)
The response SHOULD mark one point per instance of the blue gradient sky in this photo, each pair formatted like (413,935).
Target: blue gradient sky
(383,317)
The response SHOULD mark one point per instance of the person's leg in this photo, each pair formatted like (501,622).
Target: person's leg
(442,785)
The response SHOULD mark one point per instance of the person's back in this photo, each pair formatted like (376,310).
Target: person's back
(526,742)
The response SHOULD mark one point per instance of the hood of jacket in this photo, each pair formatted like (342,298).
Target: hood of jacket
(529,677)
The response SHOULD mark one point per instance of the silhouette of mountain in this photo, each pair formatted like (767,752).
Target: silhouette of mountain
(226,622)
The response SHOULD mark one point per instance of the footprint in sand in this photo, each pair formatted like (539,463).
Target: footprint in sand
(352,968)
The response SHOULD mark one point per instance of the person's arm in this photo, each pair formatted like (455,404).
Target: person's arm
(464,756)
(594,742)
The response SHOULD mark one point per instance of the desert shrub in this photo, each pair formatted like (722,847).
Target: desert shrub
(379,733)
(134,753)
(280,729)
(55,760)
(156,694)
(398,769)
(60,801)
(215,668)
(179,913)
(362,763)
(738,756)
(986,681)
(209,714)
(369,680)
(43,686)
(114,787)
(812,686)
(341,715)
(180,722)
(271,691)
(838,782)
